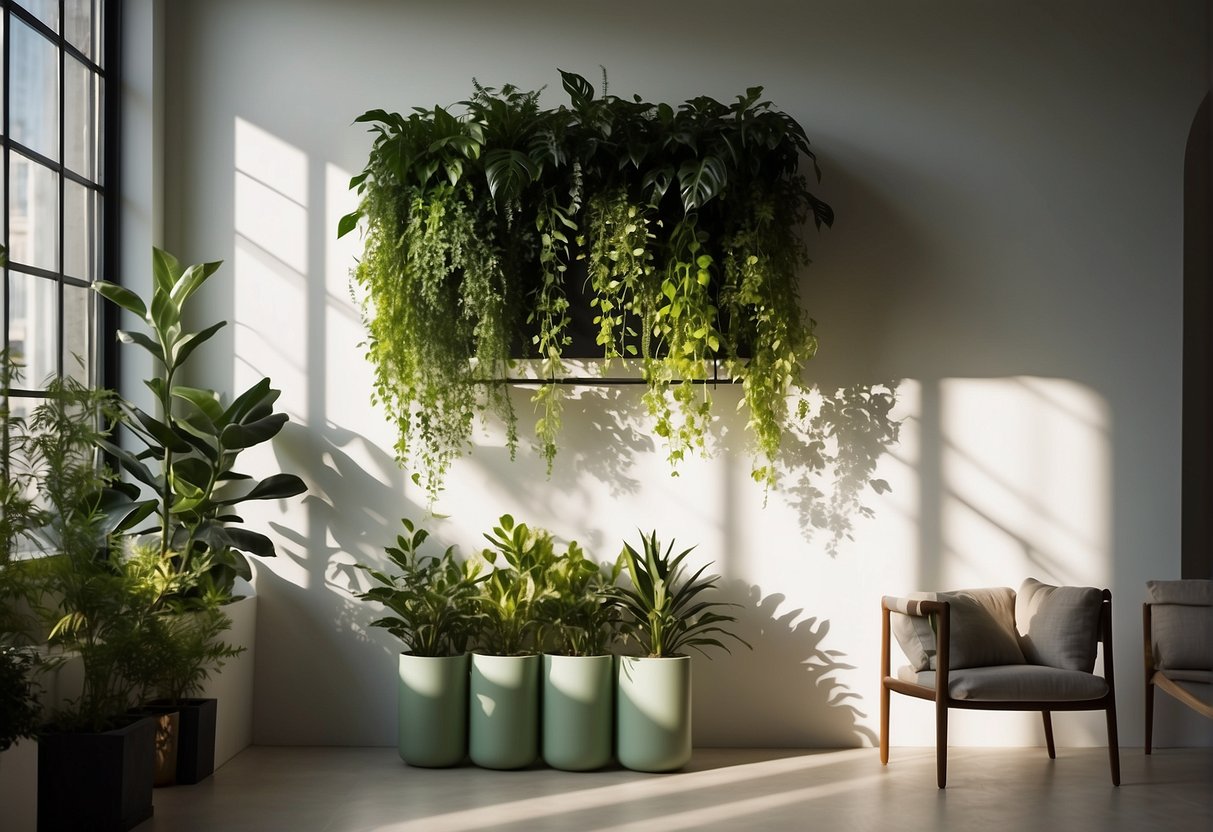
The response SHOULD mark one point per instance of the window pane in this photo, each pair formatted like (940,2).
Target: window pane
(34,91)
(33,213)
(45,10)
(33,326)
(78,315)
(78,25)
(79,117)
(79,230)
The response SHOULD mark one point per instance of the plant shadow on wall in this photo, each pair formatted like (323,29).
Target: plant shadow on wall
(830,462)
(791,671)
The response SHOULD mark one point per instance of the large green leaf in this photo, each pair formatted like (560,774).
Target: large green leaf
(348,222)
(122,296)
(235,437)
(161,432)
(252,542)
(165,271)
(276,487)
(700,180)
(508,172)
(188,343)
(258,395)
(191,279)
(142,340)
(130,463)
(205,401)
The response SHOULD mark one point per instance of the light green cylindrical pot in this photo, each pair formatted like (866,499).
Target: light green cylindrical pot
(432,704)
(653,713)
(503,711)
(578,711)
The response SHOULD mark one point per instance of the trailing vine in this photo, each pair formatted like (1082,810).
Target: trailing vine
(686,219)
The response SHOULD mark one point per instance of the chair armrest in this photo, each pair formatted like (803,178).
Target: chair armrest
(912,606)
(941,610)
(1147,635)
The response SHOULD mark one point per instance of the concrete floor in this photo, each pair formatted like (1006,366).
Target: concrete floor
(990,790)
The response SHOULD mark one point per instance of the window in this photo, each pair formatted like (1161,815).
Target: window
(56,177)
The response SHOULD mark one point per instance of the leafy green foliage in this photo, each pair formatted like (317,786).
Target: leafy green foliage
(191,445)
(20,711)
(576,618)
(185,627)
(90,602)
(663,610)
(432,598)
(686,219)
(513,594)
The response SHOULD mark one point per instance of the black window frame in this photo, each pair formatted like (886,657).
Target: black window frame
(104,367)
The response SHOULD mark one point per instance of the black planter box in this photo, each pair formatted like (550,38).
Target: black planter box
(195,737)
(101,782)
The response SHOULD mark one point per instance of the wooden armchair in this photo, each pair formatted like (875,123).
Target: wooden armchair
(995,649)
(1177,622)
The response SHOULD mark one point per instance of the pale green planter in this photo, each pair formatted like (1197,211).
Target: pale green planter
(578,711)
(653,713)
(503,711)
(432,704)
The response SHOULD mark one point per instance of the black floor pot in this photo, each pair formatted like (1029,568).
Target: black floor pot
(101,782)
(195,738)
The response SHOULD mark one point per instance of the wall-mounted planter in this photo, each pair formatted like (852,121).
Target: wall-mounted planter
(578,711)
(432,705)
(503,711)
(653,713)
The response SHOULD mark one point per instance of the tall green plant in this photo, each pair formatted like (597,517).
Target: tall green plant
(577,618)
(193,441)
(95,606)
(432,599)
(664,610)
(514,592)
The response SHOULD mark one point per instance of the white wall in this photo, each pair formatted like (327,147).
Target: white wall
(1007,181)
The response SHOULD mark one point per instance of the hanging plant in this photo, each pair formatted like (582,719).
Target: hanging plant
(685,221)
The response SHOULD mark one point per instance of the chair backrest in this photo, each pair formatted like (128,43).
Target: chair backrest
(1181,627)
(1058,626)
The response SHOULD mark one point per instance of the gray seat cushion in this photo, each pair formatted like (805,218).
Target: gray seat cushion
(1014,683)
(1059,625)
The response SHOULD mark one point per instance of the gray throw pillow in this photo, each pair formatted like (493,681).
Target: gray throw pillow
(1059,625)
(982,630)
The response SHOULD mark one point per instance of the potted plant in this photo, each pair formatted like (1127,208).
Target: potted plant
(433,609)
(95,761)
(187,645)
(578,628)
(664,612)
(187,467)
(685,218)
(20,710)
(503,723)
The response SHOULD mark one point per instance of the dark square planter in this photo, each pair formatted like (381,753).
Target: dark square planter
(195,737)
(101,782)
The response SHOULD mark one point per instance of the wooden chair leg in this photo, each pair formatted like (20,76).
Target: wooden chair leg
(1113,744)
(884,724)
(941,743)
(1149,715)
(1048,720)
